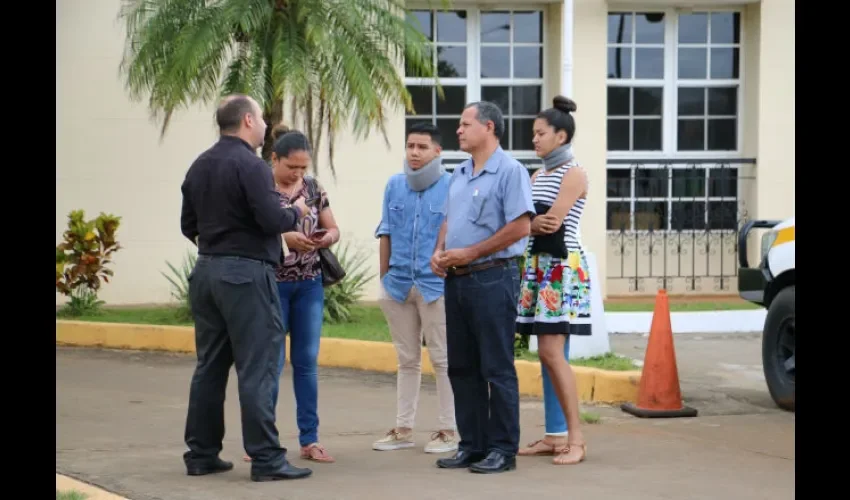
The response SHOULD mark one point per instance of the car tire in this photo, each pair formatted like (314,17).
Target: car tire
(779,348)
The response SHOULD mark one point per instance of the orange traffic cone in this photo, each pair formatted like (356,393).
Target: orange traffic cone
(659,394)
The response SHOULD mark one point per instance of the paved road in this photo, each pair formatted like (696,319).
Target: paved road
(120,422)
(719,372)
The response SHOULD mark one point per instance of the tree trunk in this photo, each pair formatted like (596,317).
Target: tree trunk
(272,116)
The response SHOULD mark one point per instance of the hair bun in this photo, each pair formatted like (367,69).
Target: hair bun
(565,104)
(278,130)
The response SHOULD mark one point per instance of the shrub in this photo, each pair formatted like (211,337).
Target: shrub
(179,281)
(81,260)
(340,297)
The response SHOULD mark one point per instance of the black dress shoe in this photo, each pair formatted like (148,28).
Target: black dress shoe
(287,471)
(495,462)
(217,465)
(461,460)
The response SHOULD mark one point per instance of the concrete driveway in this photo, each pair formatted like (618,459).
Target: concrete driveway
(120,418)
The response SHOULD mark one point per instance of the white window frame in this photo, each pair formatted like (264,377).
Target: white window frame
(671,83)
(473,80)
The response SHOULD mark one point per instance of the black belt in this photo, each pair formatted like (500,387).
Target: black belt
(463,270)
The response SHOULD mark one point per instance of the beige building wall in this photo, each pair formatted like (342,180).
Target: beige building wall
(109,158)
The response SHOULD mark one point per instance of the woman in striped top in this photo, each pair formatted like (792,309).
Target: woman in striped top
(554,300)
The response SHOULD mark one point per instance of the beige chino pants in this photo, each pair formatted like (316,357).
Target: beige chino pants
(408,322)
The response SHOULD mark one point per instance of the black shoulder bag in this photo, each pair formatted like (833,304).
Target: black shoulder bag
(332,270)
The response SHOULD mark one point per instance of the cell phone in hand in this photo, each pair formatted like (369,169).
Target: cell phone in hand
(319,234)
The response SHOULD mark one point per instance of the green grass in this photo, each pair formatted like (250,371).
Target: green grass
(368,323)
(588,417)
(70,495)
(608,361)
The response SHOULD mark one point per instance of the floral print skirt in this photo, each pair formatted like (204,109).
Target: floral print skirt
(554,296)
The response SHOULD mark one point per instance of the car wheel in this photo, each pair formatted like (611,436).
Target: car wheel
(779,349)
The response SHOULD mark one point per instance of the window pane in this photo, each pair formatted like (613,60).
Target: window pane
(528,62)
(500,96)
(528,27)
(722,134)
(650,215)
(691,135)
(618,216)
(455,100)
(421,19)
(687,215)
(723,101)
(495,62)
(691,101)
(618,135)
(495,27)
(723,182)
(724,63)
(649,63)
(448,129)
(451,62)
(650,183)
(692,63)
(648,101)
(620,62)
(451,27)
(619,28)
(688,183)
(619,183)
(619,103)
(421,96)
(526,100)
(522,134)
(693,28)
(647,135)
(649,28)
(722,215)
(725,27)
(411,121)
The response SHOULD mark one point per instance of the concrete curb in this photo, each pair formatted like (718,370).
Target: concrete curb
(594,385)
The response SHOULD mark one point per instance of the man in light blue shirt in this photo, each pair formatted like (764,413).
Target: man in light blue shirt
(488,221)
(411,293)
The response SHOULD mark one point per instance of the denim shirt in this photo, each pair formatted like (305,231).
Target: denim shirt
(412,220)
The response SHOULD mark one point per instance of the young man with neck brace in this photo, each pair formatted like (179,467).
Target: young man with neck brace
(411,294)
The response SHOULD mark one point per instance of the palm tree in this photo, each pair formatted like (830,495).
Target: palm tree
(338,61)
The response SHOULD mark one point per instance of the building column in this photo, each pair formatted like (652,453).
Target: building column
(775,168)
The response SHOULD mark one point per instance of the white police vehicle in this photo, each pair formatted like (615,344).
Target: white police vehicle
(770,284)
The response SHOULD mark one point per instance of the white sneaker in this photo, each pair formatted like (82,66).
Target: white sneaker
(394,440)
(442,442)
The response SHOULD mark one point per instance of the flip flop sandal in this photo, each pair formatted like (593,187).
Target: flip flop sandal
(536,449)
(316,453)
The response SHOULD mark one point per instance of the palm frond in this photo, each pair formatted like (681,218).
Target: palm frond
(339,60)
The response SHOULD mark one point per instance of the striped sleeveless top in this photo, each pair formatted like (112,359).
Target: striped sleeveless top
(545,190)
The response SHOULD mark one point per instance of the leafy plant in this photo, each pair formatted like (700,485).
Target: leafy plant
(179,280)
(336,61)
(81,260)
(341,297)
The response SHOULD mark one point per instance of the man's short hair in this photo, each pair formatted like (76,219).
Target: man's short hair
(488,111)
(232,111)
(427,129)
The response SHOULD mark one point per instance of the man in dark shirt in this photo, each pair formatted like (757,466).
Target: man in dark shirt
(232,212)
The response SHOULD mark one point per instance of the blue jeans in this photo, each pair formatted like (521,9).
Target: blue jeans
(556,422)
(302,307)
(480,324)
